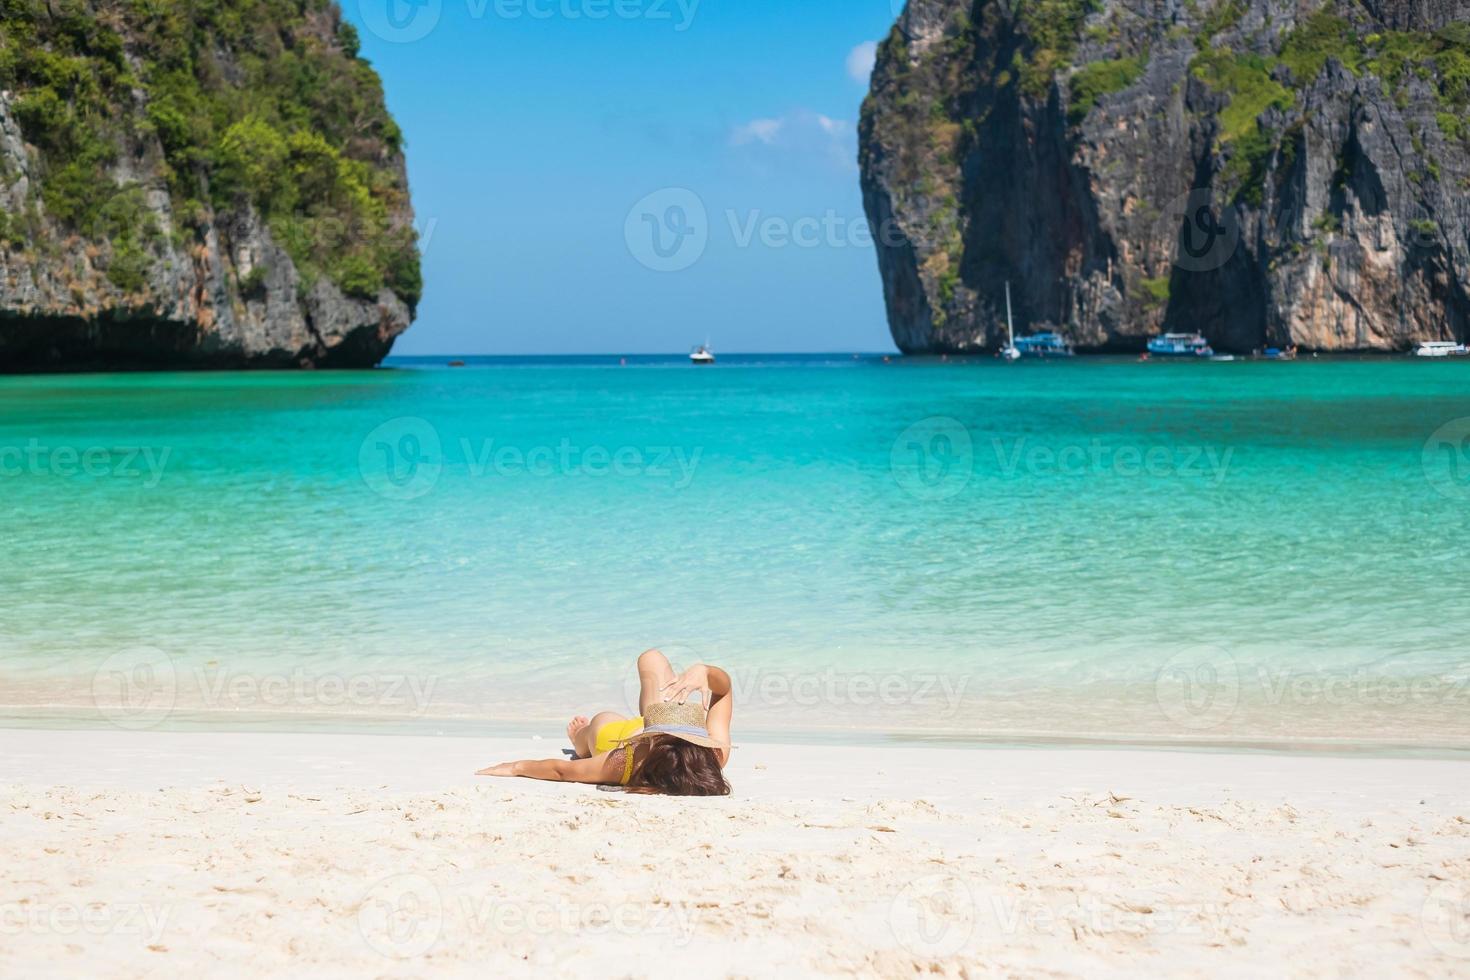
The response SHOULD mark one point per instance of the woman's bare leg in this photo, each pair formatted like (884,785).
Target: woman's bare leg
(574,728)
(654,674)
(585,741)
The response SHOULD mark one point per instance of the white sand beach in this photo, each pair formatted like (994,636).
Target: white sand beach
(145,854)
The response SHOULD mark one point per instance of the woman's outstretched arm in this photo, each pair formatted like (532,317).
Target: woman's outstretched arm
(597,770)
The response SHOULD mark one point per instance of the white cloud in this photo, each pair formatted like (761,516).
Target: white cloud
(758,131)
(860,61)
(799,137)
(832,127)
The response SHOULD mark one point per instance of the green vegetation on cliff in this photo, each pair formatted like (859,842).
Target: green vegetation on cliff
(258,102)
(1255,83)
(1099,78)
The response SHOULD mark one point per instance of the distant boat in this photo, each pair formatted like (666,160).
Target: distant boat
(1441,348)
(1180,345)
(456,363)
(702,355)
(1277,354)
(1044,345)
(1009,351)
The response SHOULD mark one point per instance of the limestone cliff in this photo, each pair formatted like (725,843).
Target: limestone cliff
(197,184)
(1267,172)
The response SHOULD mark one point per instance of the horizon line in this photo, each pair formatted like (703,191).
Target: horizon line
(761,353)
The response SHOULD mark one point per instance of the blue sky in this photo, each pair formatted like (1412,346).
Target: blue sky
(610,176)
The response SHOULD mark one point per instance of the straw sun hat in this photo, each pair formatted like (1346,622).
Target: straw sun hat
(684,721)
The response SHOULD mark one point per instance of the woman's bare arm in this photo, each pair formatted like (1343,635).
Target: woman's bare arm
(597,770)
(713,684)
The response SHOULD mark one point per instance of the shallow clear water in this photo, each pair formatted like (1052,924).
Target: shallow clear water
(1099,548)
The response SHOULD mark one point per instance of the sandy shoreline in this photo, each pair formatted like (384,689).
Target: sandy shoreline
(225,855)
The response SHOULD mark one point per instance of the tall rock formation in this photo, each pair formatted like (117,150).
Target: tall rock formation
(1266,172)
(197,185)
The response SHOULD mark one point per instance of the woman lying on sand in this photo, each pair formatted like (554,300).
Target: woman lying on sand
(675,747)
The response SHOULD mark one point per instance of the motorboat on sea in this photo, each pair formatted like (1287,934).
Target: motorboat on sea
(1441,348)
(702,355)
(1047,344)
(1180,345)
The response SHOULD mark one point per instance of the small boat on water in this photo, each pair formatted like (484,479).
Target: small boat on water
(1044,345)
(1009,351)
(1441,348)
(1278,354)
(1180,345)
(702,355)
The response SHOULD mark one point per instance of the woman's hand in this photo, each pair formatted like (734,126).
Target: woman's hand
(504,769)
(694,679)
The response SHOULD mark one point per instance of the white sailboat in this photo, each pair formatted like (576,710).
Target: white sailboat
(1009,351)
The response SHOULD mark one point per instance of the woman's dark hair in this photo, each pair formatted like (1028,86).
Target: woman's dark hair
(674,767)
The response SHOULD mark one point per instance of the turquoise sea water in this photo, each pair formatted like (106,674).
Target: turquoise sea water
(1099,548)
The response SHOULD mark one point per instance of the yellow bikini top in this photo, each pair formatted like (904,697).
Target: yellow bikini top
(628,753)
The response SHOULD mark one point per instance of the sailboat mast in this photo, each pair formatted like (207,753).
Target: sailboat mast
(1010,327)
